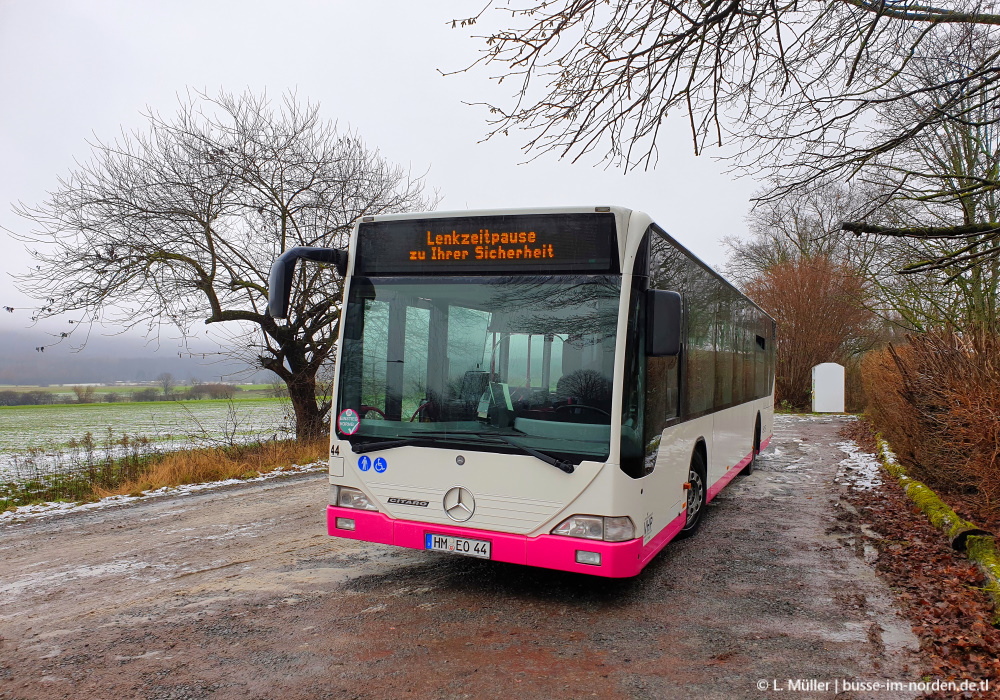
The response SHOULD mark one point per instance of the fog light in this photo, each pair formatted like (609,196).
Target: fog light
(592,558)
(348,524)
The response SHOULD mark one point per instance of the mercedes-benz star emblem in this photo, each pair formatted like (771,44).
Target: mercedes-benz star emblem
(459,504)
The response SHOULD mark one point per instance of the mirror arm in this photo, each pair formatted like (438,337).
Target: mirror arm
(279,283)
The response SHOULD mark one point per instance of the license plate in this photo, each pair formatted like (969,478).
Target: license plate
(458,545)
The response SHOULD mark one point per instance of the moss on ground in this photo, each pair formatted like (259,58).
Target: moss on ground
(978,547)
(983,550)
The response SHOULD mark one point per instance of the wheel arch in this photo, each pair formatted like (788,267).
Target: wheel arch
(701,447)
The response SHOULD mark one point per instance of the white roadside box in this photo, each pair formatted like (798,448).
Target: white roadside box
(828,388)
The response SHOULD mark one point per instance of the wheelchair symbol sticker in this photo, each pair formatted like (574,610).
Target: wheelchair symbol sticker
(381,465)
(364,463)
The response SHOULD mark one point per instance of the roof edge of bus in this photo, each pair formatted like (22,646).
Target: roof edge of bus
(576,209)
(624,212)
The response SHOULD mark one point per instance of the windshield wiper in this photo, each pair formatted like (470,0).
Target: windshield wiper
(567,467)
(361,447)
(436,436)
(428,436)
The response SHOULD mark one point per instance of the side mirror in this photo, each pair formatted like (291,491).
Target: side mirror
(279,282)
(663,323)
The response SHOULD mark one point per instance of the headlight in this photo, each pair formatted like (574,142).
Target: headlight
(596,527)
(353,498)
(590,527)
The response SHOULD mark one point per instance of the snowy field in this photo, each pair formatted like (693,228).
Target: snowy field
(43,434)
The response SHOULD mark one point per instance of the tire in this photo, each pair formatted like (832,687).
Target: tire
(696,496)
(754,450)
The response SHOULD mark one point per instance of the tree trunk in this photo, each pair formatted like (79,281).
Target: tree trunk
(309,419)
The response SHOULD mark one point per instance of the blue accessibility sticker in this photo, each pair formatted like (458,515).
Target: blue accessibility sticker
(364,463)
(381,465)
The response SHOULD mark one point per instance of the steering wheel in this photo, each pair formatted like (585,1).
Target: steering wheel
(595,409)
(365,410)
(421,407)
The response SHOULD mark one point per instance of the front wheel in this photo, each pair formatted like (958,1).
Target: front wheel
(695,496)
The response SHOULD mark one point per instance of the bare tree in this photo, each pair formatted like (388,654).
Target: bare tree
(941,188)
(819,307)
(806,224)
(182,222)
(166,383)
(801,89)
(84,394)
(802,225)
(815,283)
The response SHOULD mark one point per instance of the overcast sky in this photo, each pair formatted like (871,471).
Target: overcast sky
(70,71)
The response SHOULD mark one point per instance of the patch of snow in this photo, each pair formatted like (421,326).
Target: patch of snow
(52,579)
(888,456)
(806,417)
(861,470)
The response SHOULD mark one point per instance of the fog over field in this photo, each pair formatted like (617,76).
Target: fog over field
(109,359)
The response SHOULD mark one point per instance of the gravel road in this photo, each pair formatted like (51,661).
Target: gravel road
(238,593)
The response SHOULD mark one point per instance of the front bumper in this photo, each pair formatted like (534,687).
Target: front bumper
(618,559)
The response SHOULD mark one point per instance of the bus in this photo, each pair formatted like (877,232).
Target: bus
(561,388)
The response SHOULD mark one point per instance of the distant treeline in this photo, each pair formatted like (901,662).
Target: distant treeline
(90,394)
(27,398)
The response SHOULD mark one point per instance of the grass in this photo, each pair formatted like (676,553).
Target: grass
(219,463)
(170,444)
(129,467)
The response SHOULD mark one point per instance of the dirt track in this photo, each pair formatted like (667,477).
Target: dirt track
(239,593)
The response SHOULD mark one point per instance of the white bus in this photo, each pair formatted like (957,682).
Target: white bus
(562,388)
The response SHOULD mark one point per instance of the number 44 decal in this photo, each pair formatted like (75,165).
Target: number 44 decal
(335,450)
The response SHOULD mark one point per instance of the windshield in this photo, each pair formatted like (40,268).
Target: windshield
(468,360)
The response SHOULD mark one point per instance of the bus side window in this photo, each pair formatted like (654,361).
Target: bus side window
(671,387)
(724,350)
(739,352)
(667,271)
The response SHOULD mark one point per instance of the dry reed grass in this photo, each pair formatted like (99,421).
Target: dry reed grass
(219,463)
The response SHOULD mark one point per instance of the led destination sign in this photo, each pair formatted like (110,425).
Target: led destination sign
(542,242)
(484,245)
